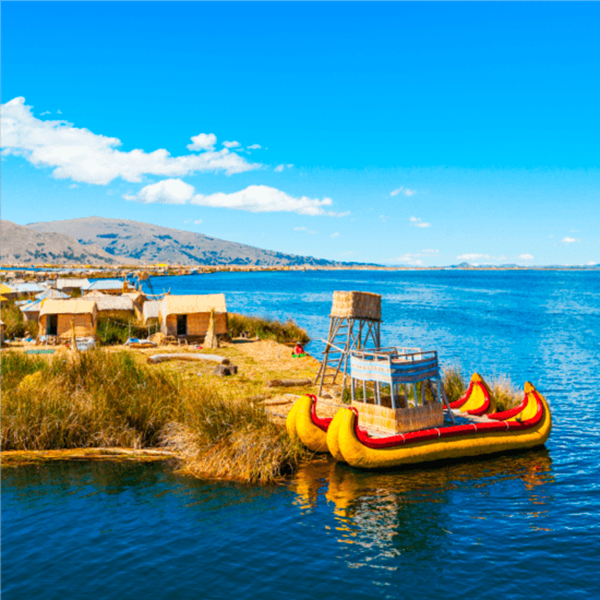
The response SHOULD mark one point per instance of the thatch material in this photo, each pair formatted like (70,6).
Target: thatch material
(187,305)
(358,305)
(68,307)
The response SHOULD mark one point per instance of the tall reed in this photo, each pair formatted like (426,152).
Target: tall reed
(100,399)
(266,329)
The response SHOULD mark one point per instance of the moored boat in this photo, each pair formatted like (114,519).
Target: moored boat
(526,426)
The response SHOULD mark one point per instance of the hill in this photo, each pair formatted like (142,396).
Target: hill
(129,241)
(25,245)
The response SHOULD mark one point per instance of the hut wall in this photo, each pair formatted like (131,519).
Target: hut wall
(197,324)
(84,325)
(31,315)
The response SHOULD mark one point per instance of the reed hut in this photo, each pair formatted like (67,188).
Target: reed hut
(50,293)
(139,299)
(69,284)
(2,328)
(112,306)
(188,317)
(58,317)
(113,287)
(31,310)
(7,292)
(150,312)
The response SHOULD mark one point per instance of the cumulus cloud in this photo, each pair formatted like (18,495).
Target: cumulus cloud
(525,257)
(84,156)
(416,222)
(168,191)
(255,198)
(569,240)
(203,141)
(197,221)
(401,189)
(231,144)
(305,229)
(279,168)
(334,235)
(255,147)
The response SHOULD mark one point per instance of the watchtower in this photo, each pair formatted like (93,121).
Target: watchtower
(355,322)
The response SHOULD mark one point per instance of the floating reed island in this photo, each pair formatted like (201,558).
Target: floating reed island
(111,404)
(217,410)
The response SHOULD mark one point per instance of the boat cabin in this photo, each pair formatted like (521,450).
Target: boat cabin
(397,390)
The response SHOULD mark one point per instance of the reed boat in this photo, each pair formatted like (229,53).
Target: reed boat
(526,426)
(302,421)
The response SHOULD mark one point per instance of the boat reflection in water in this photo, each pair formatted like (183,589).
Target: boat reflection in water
(420,510)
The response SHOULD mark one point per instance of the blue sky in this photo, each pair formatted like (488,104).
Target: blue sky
(397,133)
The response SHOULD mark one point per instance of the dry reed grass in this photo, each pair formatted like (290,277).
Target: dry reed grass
(266,329)
(99,399)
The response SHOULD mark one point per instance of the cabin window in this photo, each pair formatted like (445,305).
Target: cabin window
(181,324)
(52,325)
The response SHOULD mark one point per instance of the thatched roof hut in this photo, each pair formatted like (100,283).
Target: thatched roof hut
(114,306)
(189,316)
(58,317)
(69,284)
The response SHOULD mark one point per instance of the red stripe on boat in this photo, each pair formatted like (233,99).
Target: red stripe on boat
(446,432)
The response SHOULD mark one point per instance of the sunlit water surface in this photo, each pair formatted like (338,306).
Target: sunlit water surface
(518,526)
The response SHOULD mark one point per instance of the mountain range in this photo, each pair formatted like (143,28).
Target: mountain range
(98,240)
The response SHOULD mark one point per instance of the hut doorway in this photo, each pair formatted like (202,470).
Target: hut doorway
(181,324)
(52,325)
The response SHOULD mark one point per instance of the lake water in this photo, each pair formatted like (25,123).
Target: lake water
(519,526)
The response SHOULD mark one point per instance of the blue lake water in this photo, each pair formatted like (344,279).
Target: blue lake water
(518,526)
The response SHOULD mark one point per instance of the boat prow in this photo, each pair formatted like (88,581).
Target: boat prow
(302,422)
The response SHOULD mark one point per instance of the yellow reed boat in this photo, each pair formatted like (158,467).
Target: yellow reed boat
(525,426)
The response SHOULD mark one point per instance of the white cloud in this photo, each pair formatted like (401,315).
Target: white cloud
(255,147)
(203,141)
(418,223)
(279,168)
(430,251)
(569,240)
(334,235)
(261,198)
(231,144)
(525,257)
(591,263)
(255,198)
(306,229)
(406,192)
(83,156)
(168,191)
(46,112)
(197,221)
